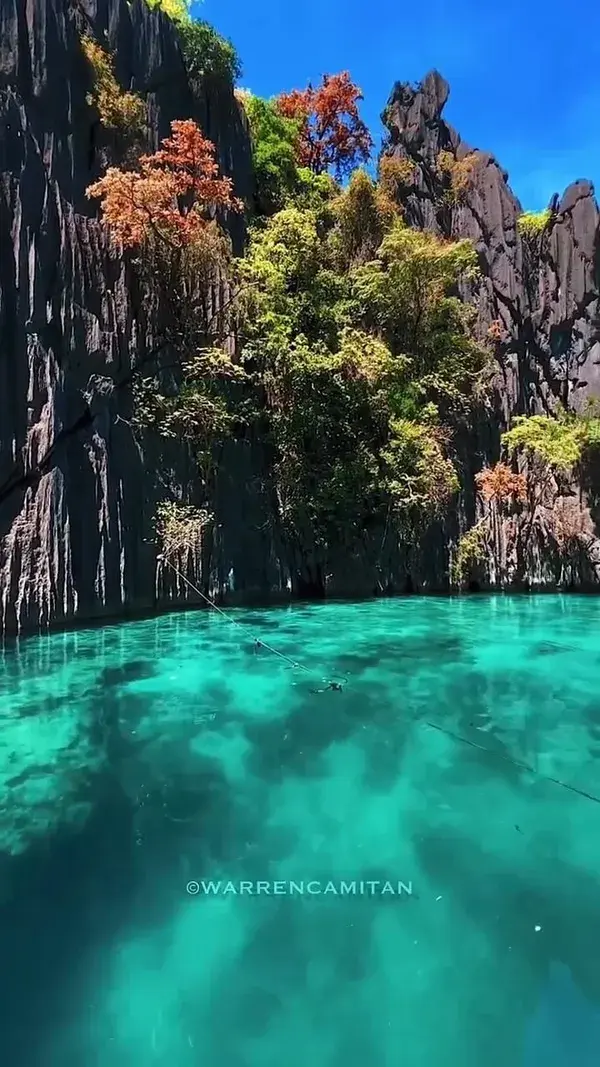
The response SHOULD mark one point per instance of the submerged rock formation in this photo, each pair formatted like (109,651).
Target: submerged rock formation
(78,490)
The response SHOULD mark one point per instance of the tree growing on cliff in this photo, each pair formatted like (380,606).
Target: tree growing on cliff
(349,358)
(395,176)
(532,224)
(552,446)
(177,10)
(162,210)
(553,449)
(117,110)
(500,485)
(459,172)
(404,296)
(363,214)
(206,52)
(499,489)
(170,194)
(164,207)
(274,153)
(332,134)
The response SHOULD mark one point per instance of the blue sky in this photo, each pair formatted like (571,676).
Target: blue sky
(524,74)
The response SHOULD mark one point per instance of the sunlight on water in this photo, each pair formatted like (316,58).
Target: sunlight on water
(141,759)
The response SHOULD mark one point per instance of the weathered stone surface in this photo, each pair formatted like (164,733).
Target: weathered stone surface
(77,493)
(545,295)
(547,303)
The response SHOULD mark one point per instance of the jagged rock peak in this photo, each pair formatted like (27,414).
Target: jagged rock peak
(411,107)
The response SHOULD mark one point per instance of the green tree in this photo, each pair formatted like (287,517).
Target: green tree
(418,475)
(404,297)
(207,53)
(363,214)
(177,10)
(274,154)
(291,289)
(355,431)
(117,109)
(531,224)
(329,423)
(553,447)
(556,443)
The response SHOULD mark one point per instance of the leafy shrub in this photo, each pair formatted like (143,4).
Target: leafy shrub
(496,331)
(531,224)
(403,296)
(180,527)
(459,171)
(500,484)
(420,478)
(569,526)
(117,109)
(470,552)
(207,53)
(177,10)
(556,442)
(274,153)
(395,175)
(363,215)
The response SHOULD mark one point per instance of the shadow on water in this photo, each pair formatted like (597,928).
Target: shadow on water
(248,793)
(516,901)
(67,897)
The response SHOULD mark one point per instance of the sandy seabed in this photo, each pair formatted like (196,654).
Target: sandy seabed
(140,759)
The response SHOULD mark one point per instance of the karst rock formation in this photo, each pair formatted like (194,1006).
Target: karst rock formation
(78,488)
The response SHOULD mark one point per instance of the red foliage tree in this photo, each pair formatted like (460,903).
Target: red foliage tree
(501,484)
(170,193)
(332,134)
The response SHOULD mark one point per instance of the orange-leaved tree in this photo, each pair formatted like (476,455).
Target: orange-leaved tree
(170,194)
(500,484)
(332,133)
(165,207)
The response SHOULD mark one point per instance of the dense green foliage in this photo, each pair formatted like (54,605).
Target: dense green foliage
(364,358)
(206,53)
(274,149)
(559,442)
(531,224)
(117,110)
(469,552)
(355,362)
(178,10)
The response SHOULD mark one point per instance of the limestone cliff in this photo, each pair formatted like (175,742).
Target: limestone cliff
(77,493)
(548,304)
(540,297)
(78,489)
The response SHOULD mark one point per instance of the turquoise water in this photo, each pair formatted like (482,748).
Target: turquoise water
(137,759)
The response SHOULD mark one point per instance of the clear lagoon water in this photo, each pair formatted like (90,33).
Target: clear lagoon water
(139,758)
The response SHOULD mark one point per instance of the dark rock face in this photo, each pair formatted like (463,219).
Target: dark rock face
(546,298)
(542,295)
(77,493)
